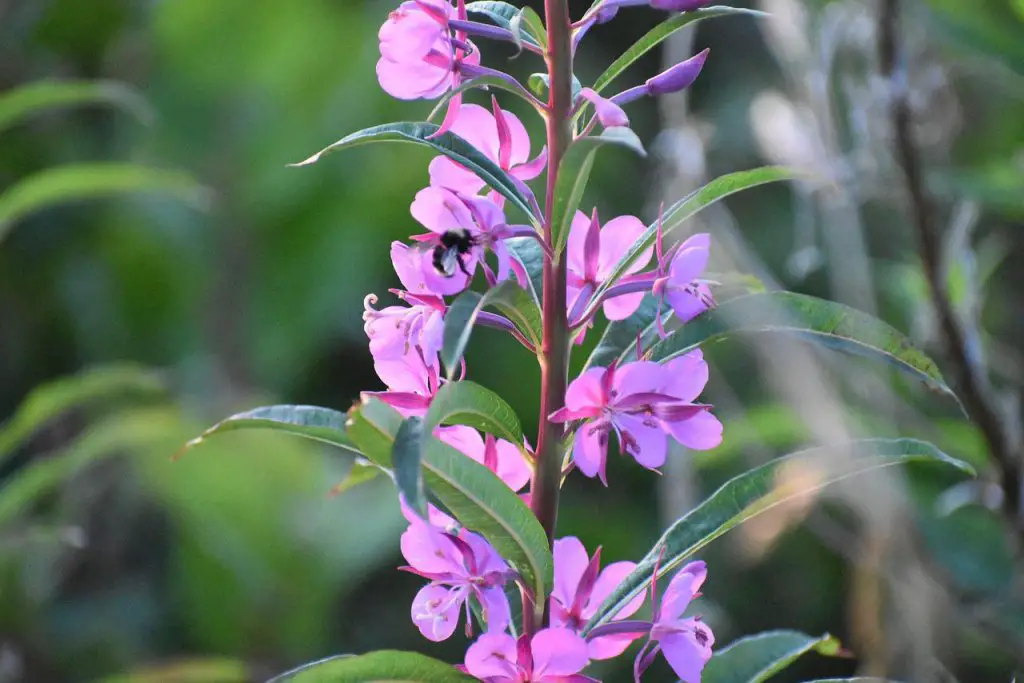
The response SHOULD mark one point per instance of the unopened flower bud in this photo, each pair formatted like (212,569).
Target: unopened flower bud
(679,5)
(608,113)
(678,77)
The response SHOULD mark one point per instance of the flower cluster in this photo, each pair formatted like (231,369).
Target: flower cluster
(426,52)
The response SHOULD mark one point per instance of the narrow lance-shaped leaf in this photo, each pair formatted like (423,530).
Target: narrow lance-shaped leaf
(90,387)
(384,666)
(500,14)
(198,670)
(362,471)
(406,457)
(824,322)
(76,182)
(449,144)
(574,173)
(529,253)
(34,98)
(689,206)
(758,490)
(311,422)
(756,658)
(662,32)
(468,403)
(508,297)
(471,492)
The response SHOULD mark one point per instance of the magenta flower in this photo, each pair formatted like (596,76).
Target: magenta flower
(501,137)
(680,282)
(418,55)
(395,330)
(608,113)
(553,655)
(591,254)
(411,381)
(500,456)
(685,642)
(638,402)
(579,590)
(458,565)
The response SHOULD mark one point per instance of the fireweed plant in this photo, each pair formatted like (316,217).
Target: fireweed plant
(480,497)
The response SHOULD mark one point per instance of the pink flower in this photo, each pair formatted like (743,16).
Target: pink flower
(394,330)
(411,381)
(638,402)
(579,590)
(592,253)
(680,282)
(458,565)
(501,137)
(553,655)
(418,55)
(500,456)
(608,113)
(685,642)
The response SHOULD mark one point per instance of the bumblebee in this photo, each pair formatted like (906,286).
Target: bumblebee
(449,254)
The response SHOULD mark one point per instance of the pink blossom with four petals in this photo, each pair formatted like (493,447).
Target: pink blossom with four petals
(680,282)
(553,655)
(394,330)
(580,588)
(685,642)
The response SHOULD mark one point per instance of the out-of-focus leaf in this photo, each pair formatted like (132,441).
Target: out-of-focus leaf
(311,422)
(97,385)
(500,14)
(77,182)
(471,492)
(999,186)
(188,671)
(406,457)
(362,471)
(756,658)
(824,322)
(448,144)
(574,173)
(508,297)
(34,98)
(989,27)
(619,339)
(689,206)
(384,666)
(753,492)
(662,32)
(468,403)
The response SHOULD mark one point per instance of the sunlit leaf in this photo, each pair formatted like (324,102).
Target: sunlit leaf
(448,144)
(527,26)
(311,422)
(500,14)
(528,252)
(756,658)
(468,403)
(755,491)
(384,666)
(816,320)
(34,98)
(362,471)
(77,182)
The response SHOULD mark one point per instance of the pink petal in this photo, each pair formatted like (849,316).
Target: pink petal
(435,611)
(623,306)
(585,391)
(686,376)
(428,550)
(440,210)
(609,579)
(529,170)
(685,304)
(446,173)
(650,443)
(691,260)
(638,377)
(702,432)
(590,450)
(574,248)
(411,81)
(617,238)
(571,560)
(557,652)
(519,139)
(407,36)
(405,374)
(493,655)
(464,439)
(609,647)
(685,654)
(512,466)
(681,590)
(497,612)
(408,265)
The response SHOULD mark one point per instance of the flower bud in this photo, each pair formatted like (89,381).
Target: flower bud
(608,113)
(679,5)
(678,77)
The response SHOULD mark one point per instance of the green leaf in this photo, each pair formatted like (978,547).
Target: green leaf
(501,14)
(508,297)
(33,98)
(77,182)
(574,172)
(824,322)
(528,252)
(406,457)
(619,339)
(689,206)
(753,492)
(471,492)
(384,666)
(756,658)
(527,24)
(660,33)
(90,387)
(468,403)
(362,471)
(311,422)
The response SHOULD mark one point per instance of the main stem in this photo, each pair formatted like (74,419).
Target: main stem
(554,351)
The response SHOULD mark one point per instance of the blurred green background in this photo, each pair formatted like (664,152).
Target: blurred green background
(156,314)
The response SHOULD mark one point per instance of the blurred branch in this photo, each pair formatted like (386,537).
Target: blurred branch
(969,373)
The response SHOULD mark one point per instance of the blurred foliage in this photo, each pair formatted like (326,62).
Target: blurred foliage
(233,562)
